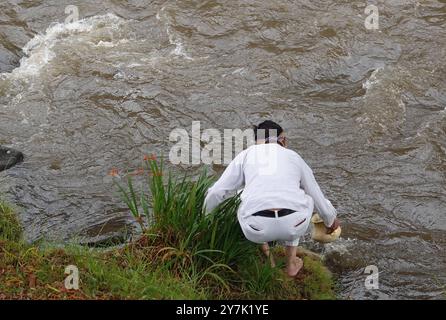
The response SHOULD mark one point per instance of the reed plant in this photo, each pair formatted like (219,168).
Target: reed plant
(170,212)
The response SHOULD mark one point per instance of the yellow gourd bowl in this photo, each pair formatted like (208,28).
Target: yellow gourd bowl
(319,231)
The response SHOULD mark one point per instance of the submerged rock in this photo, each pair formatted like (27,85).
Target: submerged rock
(9,158)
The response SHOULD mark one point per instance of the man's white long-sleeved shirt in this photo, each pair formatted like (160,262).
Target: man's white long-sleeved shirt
(271,177)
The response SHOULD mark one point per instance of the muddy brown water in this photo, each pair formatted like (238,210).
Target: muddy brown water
(365,108)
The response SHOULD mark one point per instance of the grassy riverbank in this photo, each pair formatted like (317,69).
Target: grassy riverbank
(182,254)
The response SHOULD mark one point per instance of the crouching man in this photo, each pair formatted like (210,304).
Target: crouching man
(279,194)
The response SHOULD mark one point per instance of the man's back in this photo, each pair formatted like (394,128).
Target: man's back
(272,177)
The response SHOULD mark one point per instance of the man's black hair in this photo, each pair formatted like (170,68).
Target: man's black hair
(268,125)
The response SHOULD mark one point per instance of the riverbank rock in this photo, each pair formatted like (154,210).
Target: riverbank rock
(9,158)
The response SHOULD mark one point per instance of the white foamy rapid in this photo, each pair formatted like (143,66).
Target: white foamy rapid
(173,38)
(39,50)
(372,80)
(340,246)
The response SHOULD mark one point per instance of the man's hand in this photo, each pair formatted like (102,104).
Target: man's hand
(333,227)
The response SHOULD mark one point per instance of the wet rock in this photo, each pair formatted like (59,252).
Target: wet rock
(9,158)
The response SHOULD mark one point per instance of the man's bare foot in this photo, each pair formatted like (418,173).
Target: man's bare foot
(272,261)
(294,267)
(268,254)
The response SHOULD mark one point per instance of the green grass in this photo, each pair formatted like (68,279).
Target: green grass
(210,249)
(10,228)
(181,254)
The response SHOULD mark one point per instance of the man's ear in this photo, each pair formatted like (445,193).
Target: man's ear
(282,141)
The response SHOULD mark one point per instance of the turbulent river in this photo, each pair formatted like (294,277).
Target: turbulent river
(365,108)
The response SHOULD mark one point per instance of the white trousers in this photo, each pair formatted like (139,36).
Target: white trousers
(287,229)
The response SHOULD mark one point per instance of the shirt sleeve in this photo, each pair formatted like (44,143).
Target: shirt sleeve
(232,179)
(324,207)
